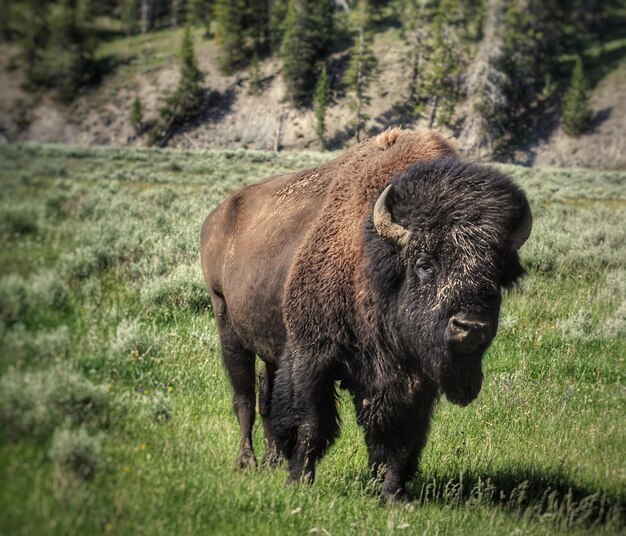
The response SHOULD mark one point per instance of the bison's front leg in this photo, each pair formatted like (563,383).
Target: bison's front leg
(317,428)
(395,436)
(304,414)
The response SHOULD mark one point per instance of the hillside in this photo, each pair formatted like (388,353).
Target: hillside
(147,66)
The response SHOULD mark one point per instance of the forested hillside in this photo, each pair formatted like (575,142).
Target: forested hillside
(522,80)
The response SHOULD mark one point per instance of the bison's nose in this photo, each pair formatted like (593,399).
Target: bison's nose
(467,332)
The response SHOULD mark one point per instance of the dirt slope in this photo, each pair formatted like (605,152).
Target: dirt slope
(147,66)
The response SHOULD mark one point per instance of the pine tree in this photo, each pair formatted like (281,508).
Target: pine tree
(70,60)
(188,96)
(187,101)
(362,68)
(321,103)
(442,77)
(148,13)
(34,41)
(5,20)
(256,23)
(198,12)
(308,34)
(129,16)
(229,18)
(255,87)
(576,113)
(136,116)
(276,23)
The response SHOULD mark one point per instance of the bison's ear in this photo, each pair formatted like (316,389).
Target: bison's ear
(521,232)
(384,224)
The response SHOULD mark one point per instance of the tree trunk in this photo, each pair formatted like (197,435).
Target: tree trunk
(147,15)
(175,12)
(484,84)
(359,86)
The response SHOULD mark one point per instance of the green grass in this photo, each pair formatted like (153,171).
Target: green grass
(115,412)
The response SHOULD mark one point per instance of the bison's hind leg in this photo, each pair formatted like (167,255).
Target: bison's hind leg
(240,366)
(239,363)
(266,385)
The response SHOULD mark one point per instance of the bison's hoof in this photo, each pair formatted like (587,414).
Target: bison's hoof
(246,460)
(399,496)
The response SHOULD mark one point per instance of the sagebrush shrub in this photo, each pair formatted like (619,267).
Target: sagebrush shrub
(20,220)
(33,403)
(76,451)
(48,345)
(132,339)
(183,289)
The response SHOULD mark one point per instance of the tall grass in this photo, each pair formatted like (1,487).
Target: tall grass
(115,413)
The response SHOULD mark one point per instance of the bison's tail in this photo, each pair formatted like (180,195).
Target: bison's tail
(284,414)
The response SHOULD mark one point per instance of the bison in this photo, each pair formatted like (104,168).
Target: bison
(380,272)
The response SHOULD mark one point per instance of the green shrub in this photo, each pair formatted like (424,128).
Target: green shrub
(33,403)
(43,345)
(13,298)
(76,451)
(132,339)
(20,297)
(156,407)
(183,289)
(20,220)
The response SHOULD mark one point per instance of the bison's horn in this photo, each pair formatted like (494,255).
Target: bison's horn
(522,232)
(384,224)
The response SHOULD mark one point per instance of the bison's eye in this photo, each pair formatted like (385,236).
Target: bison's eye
(425,268)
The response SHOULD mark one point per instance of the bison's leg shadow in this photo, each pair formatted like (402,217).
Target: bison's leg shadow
(271,456)
(549,496)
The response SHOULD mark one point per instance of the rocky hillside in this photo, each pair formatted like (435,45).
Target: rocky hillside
(147,66)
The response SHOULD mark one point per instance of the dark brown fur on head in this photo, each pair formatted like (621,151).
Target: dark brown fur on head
(460,218)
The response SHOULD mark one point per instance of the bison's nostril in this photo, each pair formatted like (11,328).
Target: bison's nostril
(467,330)
(459,326)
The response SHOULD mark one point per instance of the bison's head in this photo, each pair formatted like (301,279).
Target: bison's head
(441,244)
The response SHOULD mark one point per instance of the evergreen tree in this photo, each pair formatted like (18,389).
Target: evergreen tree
(257,25)
(70,59)
(148,14)
(276,23)
(321,103)
(442,78)
(5,20)
(34,41)
(229,18)
(533,43)
(175,12)
(187,101)
(576,113)
(416,31)
(254,87)
(308,34)
(129,16)
(362,67)
(136,116)
(198,11)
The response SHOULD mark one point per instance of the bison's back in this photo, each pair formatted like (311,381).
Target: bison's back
(247,246)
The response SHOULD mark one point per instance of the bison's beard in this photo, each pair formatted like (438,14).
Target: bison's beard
(461,378)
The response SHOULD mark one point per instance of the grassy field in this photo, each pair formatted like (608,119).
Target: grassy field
(115,412)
